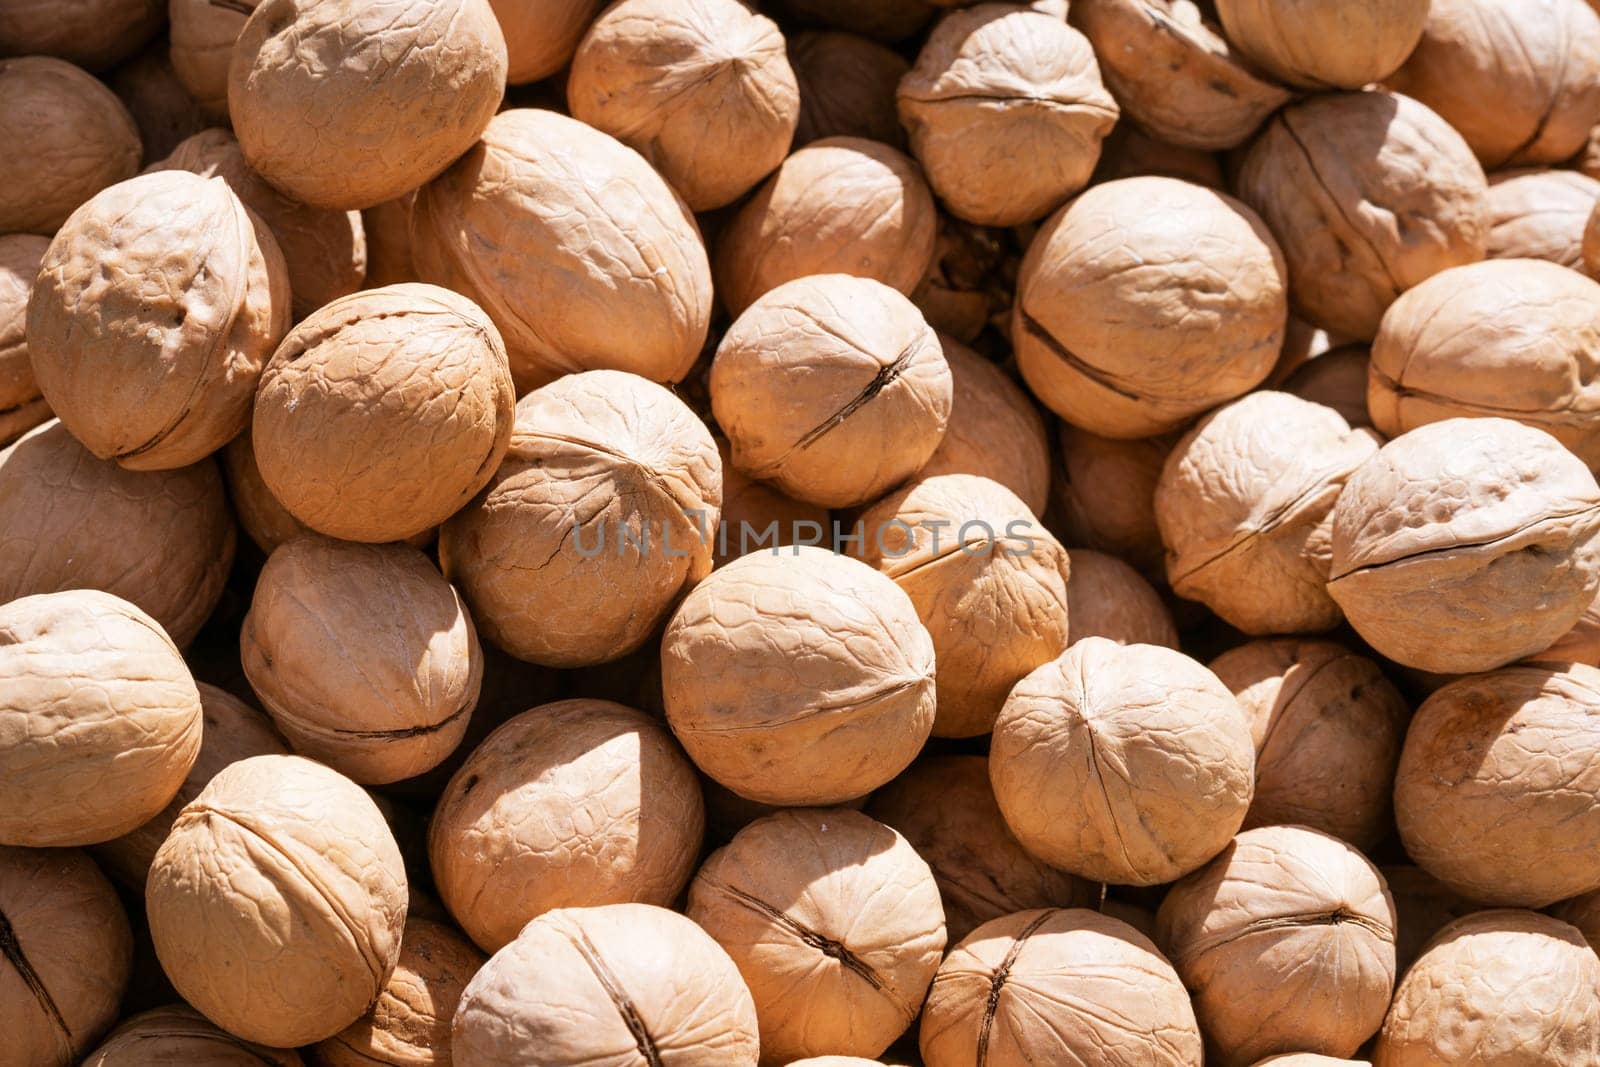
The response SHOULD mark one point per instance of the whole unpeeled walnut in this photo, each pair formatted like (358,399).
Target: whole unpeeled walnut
(155,307)
(91,33)
(541,35)
(1504,337)
(179,1034)
(1058,986)
(832,387)
(290,841)
(843,205)
(628,984)
(21,406)
(1466,544)
(1507,987)
(1175,746)
(1327,727)
(67,950)
(599,517)
(363,655)
(1006,111)
(944,807)
(163,540)
(1496,791)
(987,579)
(1145,302)
(1245,504)
(1286,941)
(200,43)
(1425,906)
(1369,194)
(1540,214)
(67,137)
(835,923)
(847,85)
(1108,598)
(1522,85)
(797,676)
(346,103)
(701,88)
(101,716)
(164,112)
(569,805)
(1335,379)
(583,256)
(384,413)
(1106,495)
(1325,44)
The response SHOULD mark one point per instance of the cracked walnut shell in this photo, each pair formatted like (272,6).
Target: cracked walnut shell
(179,1034)
(1540,214)
(1108,598)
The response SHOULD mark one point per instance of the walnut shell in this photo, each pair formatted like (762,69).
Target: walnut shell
(1466,544)
(1540,214)
(1497,987)
(1584,913)
(1510,338)
(843,205)
(593,525)
(1425,906)
(347,103)
(1245,505)
(162,540)
(363,655)
(572,804)
(1581,644)
(1335,379)
(945,808)
(1108,598)
(987,579)
(274,845)
(67,950)
(971,281)
(1369,194)
(1129,152)
(1327,727)
(583,256)
(1286,941)
(1155,717)
(701,88)
(832,387)
(21,406)
(94,34)
(847,85)
(541,35)
(1005,110)
(797,676)
(67,137)
(200,44)
(1325,44)
(1495,794)
(1145,302)
(384,413)
(1522,85)
(1058,986)
(388,232)
(835,923)
(155,307)
(621,983)
(755,515)
(179,1034)
(1107,495)
(882,20)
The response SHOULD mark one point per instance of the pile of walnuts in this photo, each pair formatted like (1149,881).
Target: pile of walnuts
(800,533)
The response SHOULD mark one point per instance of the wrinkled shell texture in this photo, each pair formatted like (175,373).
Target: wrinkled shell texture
(384,413)
(174,542)
(179,1034)
(21,407)
(988,581)
(1336,379)
(67,953)
(798,677)
(1467,526)
(1286,941)
(1145,302)
(67,137)
(541,35)
(1510,987)
(593,525)
(1369,194)
(1107,598)
(574,804)
(1325,44)
(835,923)
(1124,764)
(100,719)
(1245,505)
(847,86)
(1107,493)
(1496,788)
(201,34)
(843,205)
(944,807)
(584,986)
(1006,111)
(276,905)
(347,103)
(832,387)
(1513,338)
(701,88)
(363,655)
(1540,214)
(1129,152)
(1327,727)
(1058,986)
(155,308)
(266,521)
(1522,85)
(1172,71)
(574,280)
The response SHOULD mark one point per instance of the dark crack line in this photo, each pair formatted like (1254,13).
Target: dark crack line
(834,950)
(11,949)
(998,982)
(619,997)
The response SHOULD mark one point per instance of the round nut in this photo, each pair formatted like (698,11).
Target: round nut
(1540,214)
(164,113)
(1106,495)
(755,514)
(541,35)
(201,35)
(1335,379)
(179,1034)
(21,406)
(847,86)
(1581,644)
(1325,44)
(95,34)
(1129,152)
(388,231)
(1108,598)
